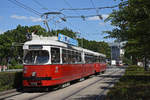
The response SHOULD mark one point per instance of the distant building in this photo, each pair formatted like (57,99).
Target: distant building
(117,53)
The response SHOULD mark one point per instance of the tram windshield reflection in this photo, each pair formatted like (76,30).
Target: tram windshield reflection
(36,57)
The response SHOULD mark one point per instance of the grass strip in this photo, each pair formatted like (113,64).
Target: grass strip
(134,85)
(10,80)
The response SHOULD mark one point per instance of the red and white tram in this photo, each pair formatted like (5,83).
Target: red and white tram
(49,62)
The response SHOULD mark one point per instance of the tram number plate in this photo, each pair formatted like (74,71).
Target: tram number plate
(34,83)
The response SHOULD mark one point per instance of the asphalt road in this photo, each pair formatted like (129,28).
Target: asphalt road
(93,88)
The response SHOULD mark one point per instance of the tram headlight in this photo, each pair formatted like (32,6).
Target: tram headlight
(33,74)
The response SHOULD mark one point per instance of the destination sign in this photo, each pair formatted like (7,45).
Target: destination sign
(35,46)
(68,40)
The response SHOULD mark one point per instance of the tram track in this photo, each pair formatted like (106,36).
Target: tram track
(87,86)
(38,96)
(12,93)
(9,95)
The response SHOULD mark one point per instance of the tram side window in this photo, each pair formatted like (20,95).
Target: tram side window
(80,58)
(55,55)
(92,59)
(74,57)
(67,56)
(103,60)
(96,59)
(100,59)
(88,58)
(71,57)
(64,56)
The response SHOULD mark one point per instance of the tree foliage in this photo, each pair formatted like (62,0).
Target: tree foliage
(132,22)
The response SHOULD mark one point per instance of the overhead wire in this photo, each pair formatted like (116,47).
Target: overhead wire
(86,16)
(68,3)
(70,17)
(45,8)
(78,14)
(114,6)
(79,30)
(42,6)
(94,6)
(70,6)
(25,7)
(97,12)
(81,16)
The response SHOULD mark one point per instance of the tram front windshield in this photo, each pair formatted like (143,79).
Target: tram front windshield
(36,57)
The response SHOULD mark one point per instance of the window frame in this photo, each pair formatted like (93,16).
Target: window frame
(59,55)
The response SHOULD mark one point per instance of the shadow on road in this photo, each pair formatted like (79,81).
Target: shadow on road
(91,97)
(110,76)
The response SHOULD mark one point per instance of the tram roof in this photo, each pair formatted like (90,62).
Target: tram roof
(53,41)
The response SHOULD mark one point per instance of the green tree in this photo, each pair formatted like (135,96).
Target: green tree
(132,22)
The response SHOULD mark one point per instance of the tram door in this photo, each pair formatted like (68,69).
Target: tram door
(55,62)
(84,67)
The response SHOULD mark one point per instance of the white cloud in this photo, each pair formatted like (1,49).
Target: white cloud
(94,18)
(33,19)
(18,17)
(104,16)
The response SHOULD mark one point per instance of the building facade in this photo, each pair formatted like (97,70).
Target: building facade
(117,54)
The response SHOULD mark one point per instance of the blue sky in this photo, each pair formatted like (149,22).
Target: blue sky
(11,15)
